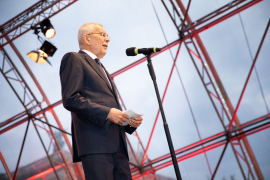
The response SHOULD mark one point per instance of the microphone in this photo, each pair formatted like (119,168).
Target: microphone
(134,51)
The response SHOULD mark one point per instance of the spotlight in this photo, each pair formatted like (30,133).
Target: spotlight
(41,55)
(47,28)
(38,56)
(48,48)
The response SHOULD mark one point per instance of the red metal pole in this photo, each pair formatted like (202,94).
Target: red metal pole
(5,166)
(185,17)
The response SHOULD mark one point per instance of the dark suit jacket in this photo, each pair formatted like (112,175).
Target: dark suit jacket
(89,97)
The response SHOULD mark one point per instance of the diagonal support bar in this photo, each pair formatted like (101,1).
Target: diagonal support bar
(47,153)
(19,159)
(217,166)
(249,74)
(5,166)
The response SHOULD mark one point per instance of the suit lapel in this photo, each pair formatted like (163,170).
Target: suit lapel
(96,68)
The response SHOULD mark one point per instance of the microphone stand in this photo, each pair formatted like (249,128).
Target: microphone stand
(165,124)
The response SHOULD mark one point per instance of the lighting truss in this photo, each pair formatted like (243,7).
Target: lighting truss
(31,17)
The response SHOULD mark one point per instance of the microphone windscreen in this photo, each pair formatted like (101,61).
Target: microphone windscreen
(131,51)
(158,49)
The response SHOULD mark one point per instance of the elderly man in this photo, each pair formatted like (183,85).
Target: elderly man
(88,92)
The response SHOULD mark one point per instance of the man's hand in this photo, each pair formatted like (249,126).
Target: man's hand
(136,122)
(117,116)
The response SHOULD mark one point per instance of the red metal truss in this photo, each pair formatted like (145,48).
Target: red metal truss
(11,73)
(209,143)
(218,16)
(205,22)
(11,30)
(228,103)
(194,31)
(222,11)
(249,74)
(46,172)
(42,111)
(194,149)
(32,16)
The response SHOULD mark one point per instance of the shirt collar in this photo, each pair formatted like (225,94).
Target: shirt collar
(93,56)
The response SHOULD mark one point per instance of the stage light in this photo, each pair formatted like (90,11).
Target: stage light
(48,48)
(50,33)
(47,28)
(40,56)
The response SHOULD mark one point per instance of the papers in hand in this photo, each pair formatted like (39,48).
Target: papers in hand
(132,115)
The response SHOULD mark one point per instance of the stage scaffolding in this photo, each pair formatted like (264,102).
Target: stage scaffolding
(234,133)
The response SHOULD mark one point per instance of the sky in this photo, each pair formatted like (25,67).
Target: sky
(231,45)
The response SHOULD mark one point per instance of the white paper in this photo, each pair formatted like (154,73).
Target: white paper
(132,115)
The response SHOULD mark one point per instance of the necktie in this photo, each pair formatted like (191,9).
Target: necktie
(102,70)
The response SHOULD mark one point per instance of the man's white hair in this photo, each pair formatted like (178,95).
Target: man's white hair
(86,29)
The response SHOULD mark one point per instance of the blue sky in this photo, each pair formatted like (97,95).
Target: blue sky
(134,24)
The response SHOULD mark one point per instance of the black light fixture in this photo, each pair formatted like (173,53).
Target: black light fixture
(47,28)
(47,49)
(40,56)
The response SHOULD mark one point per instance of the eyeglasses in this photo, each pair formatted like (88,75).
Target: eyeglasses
(105,35)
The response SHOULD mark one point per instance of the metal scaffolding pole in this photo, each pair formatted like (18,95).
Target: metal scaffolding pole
(5,166)
(217,166)
(20,155)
